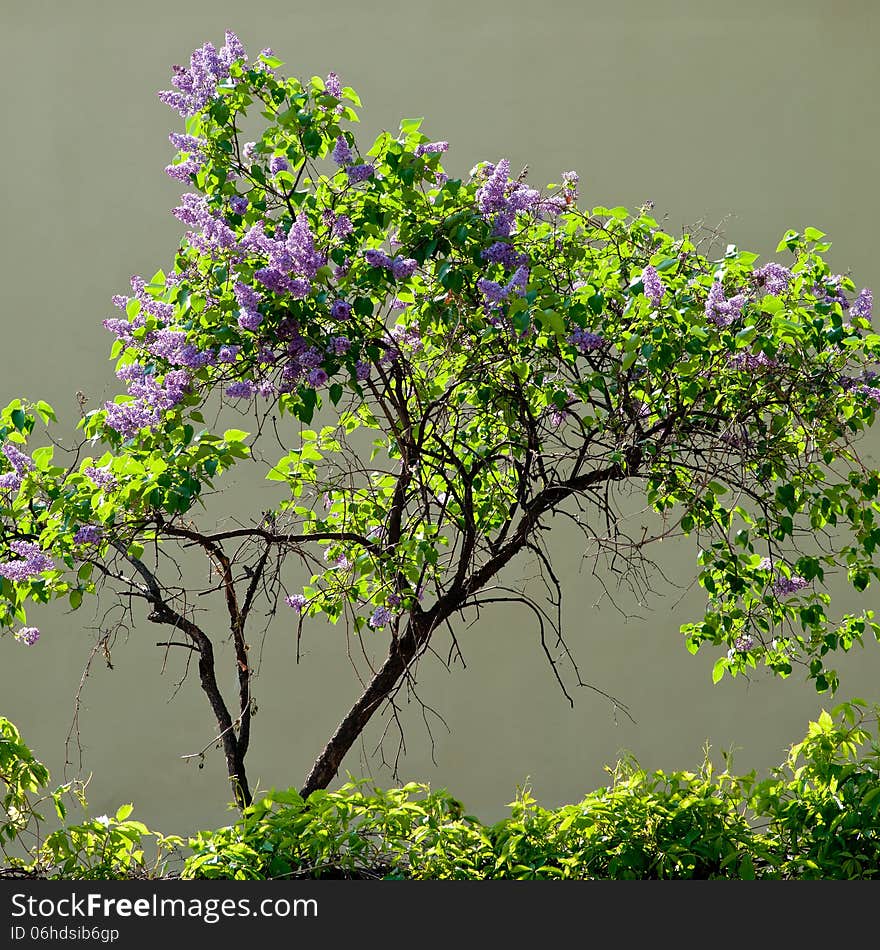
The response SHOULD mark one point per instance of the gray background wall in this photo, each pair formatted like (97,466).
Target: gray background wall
(766,115)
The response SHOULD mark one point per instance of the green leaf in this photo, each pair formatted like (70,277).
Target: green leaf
(235,435)
(408,126)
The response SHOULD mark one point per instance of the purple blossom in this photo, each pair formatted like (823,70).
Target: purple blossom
(789,585)
(340,310)
(186,143)
(317,377)
(523,198)
(195,87)
(339,561)
(272,279)
(248,150)
(863,304)
(342,152)
(28,636)
(214,234)
(750,361)
(120,328)
(585,341)
(362,371)
(128,418)
(743,643)
(379,617)
(10,481)
(227,354)
(653,285)
(17,459)
(33,562)
(431,148)
(333,86)
(300,245)
(102,477)
(491,194)
(239,204)
(503,253)
(403,267)
(278,163)
(357,173)
(376,258)
(342,227)
(570,181)
(721,311)
(233,51)
(774,278)
(250,319)
(340,345)
(517,284)
(296,601)
(311,357)
(176,383)
(243,389)
(246,297)
(491,290)
(300,287)
(171,345)
(503,222)
(119,300)
(88,534)
(872,392)
(131,372)
(408,337)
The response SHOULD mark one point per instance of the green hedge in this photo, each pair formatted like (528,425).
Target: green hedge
(816,816)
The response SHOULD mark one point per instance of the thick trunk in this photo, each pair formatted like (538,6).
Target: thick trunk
(403,651)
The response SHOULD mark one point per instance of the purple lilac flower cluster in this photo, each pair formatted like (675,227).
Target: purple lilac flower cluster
(214,236)
(401,267)
(358,173)
(789,585)
(505,254)
(288,254)
(102,477)
(296,601)
(721,311)
(88,534)
(342,153)
(431,148)
(653,285)
(333,85)
(495,294)
(33,562)
(28,636)
(195,87)
(863,304)
(585,341)
(743,643)
(772,277)
(872,392)
(21,464)
(379,618)
(499,199)
(746,362)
